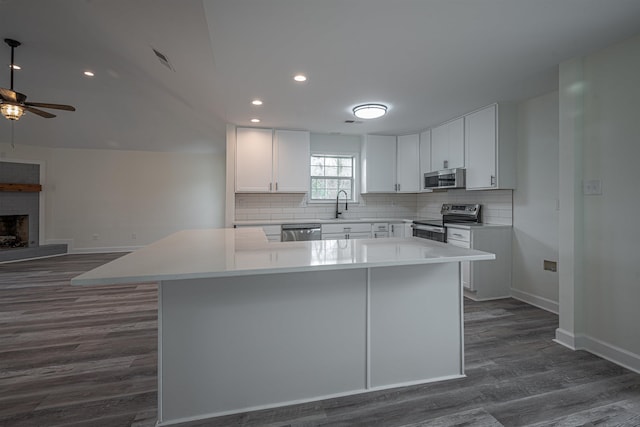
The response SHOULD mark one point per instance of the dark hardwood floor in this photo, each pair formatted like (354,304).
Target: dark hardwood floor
(86,356)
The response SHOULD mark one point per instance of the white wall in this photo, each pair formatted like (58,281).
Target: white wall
(116,200)
(535,202)
(599,128)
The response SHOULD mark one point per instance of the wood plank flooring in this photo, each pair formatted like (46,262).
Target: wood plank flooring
(86,356)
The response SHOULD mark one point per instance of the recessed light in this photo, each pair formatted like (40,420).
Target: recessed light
(89,73)
(15,67)
(256,102)
(300,78)
(255,120)
(369,111)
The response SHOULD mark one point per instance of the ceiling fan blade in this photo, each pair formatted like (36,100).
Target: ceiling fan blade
(8,95)
(54,106)
(40,113)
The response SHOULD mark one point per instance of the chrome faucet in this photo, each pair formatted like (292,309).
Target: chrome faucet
(346,202)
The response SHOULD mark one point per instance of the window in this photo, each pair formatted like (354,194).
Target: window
(330,174)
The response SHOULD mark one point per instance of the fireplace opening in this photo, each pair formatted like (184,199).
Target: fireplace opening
(14,231)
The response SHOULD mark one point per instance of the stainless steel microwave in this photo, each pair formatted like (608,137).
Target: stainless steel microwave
(442,179)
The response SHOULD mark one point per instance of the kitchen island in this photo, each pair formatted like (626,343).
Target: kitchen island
(245,324)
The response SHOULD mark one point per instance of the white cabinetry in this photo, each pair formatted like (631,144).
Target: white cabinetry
(380,230)
(272,232)
(490,279)
(397,229)
(356,230)
(265,164)
(408,164)
(425,155)
(490,140)
(390,164)
(447,145)
(292,156)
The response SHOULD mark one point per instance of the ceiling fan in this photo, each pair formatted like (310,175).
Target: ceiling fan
(14,104)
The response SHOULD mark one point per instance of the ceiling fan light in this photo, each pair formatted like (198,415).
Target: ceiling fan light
(369,111)
(11,112)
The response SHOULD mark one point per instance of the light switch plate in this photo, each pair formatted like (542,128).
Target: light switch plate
(592,187)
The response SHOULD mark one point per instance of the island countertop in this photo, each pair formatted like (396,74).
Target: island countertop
(226,252)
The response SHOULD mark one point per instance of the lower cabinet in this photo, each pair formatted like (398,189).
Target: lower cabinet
(485,280)
(346,231)
(397,229)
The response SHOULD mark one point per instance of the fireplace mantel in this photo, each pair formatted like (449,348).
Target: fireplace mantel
(23,188)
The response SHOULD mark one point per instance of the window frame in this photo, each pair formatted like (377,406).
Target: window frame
(356,176)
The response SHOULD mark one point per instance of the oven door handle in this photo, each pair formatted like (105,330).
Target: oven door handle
(428,228)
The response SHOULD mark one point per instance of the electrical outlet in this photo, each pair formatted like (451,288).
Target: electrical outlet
(550,265)
(592,187)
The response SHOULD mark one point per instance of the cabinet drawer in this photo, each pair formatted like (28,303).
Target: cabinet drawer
(380,226)
(343,227)
(459,234)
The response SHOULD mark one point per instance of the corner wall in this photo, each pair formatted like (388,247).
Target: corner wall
(112,200)
(599,128)
(536,203)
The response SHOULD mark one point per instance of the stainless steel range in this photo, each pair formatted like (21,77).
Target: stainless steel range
(436,229)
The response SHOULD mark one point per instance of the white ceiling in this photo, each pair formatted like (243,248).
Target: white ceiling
(429,60)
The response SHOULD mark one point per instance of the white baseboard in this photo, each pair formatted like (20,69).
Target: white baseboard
(104,250)
(71,249)
(607,351)
(614,354)
(567,339)
(536,301)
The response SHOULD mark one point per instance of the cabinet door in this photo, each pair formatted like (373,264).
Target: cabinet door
(439,147)
(425,154)
(447,145)
(254,159)
(456,143)
(379,164)
(396,229)
(291,166)
(481,148)
(408,163)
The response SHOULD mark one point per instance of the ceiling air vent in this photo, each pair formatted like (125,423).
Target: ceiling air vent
(163,59)
(356,122)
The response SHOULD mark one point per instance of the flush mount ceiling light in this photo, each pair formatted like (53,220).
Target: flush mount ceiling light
(369,111)
(256,102)
(300,78)
(89,73)
(255,120)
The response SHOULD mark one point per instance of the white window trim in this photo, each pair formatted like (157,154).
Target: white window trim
(356,178)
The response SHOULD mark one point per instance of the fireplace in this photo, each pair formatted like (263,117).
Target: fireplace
(14,231)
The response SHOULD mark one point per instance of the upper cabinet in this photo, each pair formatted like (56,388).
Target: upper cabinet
(391,164)
(291,161)
(379,164)
(408,164)
(490,148)
(266,164)
(447,145)
(425,155)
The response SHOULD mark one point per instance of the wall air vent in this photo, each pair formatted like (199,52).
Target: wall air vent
(163,59)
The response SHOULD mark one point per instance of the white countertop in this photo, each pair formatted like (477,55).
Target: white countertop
(225,252)
(257,222)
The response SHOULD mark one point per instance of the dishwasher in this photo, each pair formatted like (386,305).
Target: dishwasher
(301,232)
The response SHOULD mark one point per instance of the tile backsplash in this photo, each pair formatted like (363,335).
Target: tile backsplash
(497,206)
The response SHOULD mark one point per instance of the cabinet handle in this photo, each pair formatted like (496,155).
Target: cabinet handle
(493,180)
(392,228)
(445,164)
(270,184)
(276,186)
(398,187)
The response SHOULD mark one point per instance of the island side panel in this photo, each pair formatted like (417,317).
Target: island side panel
(233,344)
(415,324)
